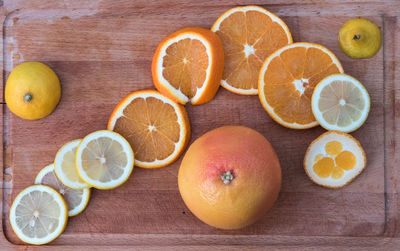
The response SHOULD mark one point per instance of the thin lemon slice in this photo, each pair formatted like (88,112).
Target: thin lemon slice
(340,102)
(38,215)
(104,159)
(76,199)
(334,159)
(64,166)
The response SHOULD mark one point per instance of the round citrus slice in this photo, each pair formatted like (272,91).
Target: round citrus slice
(157,128)
(188,64)
(334,159)
(340,102)
(249,35)
(104,159)
(38,215)
(64,166)
(76,199)
(287,80)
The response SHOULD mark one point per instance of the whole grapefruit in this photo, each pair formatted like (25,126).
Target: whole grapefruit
(230,177)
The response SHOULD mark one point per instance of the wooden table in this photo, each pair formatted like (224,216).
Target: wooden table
(102,50)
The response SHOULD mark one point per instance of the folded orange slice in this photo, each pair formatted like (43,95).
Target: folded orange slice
(188,64)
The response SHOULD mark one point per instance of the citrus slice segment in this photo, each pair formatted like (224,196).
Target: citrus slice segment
(249,35)
(188,64)
(334,159)
(104,159)
(340,102)
(287,80)
(157,128)
(38,214)
(76,199)
(64,166)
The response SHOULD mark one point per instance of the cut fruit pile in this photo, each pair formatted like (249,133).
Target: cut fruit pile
(248,51)
(103,159)
(334,159)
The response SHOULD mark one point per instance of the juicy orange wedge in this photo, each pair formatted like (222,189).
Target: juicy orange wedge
(249,35)
(287,80)
(157,128)
(188,64)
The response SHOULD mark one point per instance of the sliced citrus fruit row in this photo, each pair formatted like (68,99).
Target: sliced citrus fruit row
(287,80)
(249,35)
(76,199)
(340,102)
(157,128)
(104,159)
(64,166)
(38,214)
(188,64)
(334,159)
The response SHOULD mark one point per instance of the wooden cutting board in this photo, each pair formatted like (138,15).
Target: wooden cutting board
(102,50)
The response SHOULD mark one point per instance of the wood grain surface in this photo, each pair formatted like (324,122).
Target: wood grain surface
(102,50)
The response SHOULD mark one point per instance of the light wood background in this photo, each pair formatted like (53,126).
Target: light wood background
(102,50)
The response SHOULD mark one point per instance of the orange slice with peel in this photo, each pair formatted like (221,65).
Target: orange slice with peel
(249,35)
(188,64)
(334,159)
(287,80)
(157,128)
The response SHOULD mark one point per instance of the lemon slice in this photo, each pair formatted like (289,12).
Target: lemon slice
(76,199)
(64,166)
(104,159)
(334,159)
(340,102)
(38,214)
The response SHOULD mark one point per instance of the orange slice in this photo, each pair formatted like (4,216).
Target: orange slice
(188,64)
(287,80)
(249,35)
(334,159)
(156,127)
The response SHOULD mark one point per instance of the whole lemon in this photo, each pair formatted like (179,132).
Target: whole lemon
(360,38)
(230,177)
(32,90)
